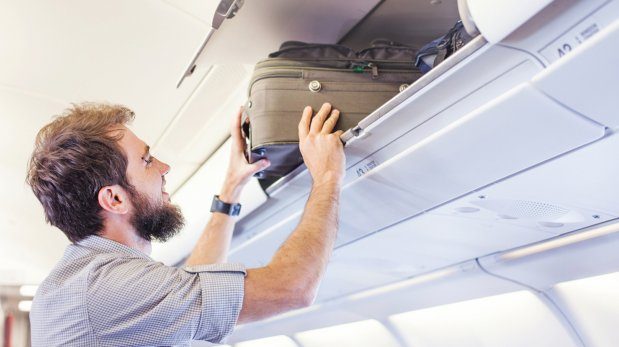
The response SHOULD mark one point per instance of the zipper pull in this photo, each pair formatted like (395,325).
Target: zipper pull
(358,68)
(374,70)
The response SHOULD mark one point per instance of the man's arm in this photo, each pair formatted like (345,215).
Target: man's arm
(214,243)
(292,277)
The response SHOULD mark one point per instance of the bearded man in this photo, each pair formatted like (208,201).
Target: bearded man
(100,185)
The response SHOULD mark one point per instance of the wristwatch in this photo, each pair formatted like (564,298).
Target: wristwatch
(224,207)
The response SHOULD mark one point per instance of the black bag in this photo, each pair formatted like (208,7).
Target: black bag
(439,49)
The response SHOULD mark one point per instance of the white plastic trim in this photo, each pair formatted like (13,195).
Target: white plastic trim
(497,19)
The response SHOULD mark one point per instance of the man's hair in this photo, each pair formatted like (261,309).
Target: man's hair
(74,157)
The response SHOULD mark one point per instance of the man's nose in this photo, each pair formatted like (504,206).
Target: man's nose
(163,167)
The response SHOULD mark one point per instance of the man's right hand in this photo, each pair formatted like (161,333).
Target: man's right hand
(322,148)
(291,279)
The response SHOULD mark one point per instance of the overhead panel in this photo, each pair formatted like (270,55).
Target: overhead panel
(586,79)
(508,134)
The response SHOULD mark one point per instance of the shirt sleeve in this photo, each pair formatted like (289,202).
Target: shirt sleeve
(141,302)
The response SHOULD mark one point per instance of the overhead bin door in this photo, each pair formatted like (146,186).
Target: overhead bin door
(509,134)
(586,79)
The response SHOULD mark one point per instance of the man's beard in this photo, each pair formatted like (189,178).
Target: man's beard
(155,222)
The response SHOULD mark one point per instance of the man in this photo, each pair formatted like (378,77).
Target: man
(99,184)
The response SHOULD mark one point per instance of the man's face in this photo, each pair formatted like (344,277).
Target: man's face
(153,216)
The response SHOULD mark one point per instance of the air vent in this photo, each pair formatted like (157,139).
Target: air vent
(524,209)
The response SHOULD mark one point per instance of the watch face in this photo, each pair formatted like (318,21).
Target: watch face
(236,209)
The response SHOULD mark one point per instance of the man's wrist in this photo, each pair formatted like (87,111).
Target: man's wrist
(328,180)
(230,193)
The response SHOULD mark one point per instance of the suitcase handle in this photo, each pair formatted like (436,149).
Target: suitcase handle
(246,133)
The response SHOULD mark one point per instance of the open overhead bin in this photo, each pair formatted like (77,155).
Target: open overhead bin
(469,124)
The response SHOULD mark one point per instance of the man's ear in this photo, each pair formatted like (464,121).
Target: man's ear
(114,199)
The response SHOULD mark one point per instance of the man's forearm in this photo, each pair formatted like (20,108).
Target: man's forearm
(305,254)
(213,245)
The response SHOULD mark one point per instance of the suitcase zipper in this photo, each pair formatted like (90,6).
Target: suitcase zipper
(345,64)
(357,68)
(278,74)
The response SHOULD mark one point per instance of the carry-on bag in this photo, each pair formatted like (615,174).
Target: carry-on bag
(434,52)
(302,74)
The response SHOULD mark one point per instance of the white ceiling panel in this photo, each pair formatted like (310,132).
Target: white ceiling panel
(127,52)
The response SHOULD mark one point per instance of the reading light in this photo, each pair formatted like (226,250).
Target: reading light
(25,305)
(274,341)
(362,333)
(28,290)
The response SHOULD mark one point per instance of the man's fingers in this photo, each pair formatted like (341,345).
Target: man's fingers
(329,125)
(259,166)
(235,130)
(304,124)
(320,117)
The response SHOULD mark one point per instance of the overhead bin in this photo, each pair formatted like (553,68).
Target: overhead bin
(571,82)
(478,123)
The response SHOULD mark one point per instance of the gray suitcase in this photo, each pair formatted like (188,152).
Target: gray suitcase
(301,74)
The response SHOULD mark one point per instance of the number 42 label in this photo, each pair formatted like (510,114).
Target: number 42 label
(570,40)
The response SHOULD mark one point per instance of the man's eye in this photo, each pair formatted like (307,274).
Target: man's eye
(148,160)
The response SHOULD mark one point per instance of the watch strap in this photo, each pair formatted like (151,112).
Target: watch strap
(224,207)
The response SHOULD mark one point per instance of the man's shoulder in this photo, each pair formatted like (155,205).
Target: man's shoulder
(61,302)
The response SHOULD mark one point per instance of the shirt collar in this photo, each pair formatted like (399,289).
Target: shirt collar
(105,245)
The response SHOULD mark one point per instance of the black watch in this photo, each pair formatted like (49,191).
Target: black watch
(225,208)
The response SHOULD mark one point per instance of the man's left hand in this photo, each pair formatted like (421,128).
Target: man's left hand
(239,170)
